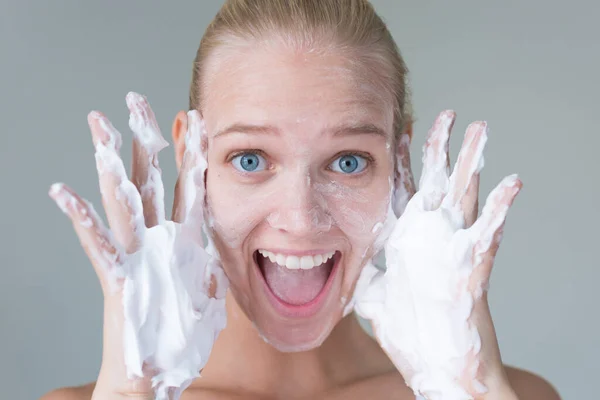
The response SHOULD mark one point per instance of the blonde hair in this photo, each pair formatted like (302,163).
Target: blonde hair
(343,25)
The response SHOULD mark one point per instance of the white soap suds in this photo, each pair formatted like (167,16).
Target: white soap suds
(194,193)
(106,261)
(377,227)
(382,230)
(63,202)
(417,306)
(109,161)
(364,280)
(420,306)
(142,123)
(170,321)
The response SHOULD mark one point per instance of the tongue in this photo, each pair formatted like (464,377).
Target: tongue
(295,286)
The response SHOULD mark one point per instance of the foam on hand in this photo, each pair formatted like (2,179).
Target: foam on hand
(420,306)
(170,320)
(419,312)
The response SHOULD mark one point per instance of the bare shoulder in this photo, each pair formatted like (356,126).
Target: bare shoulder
(529,386)
(71,393)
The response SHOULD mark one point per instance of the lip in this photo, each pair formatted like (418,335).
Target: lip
(297,253)
(305,310)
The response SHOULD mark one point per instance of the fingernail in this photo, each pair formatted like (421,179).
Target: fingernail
(93,116)
(99,134)
(57,194)
(135,103)
(134,99)
(55,189)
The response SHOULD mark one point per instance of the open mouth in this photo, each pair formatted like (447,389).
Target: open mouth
(297,284)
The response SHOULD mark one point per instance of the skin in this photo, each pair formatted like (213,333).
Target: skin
(323,356)
(299,202)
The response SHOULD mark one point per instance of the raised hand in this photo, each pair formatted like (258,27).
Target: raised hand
(429,309)
(163,292)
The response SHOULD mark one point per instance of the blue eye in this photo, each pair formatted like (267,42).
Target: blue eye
(249,162)
(349,164)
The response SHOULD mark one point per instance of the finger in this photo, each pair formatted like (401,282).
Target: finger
(487,230)
(145,172)
(463,186)
(471,202)
(93,235)
(434,178)
(189,190)
(218,282)
(178,212)
(120,197)
(404,183)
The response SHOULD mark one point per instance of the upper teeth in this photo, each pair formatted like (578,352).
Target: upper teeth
(294,262)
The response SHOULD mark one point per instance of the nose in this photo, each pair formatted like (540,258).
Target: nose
(300,209)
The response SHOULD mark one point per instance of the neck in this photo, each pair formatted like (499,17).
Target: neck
(242,359)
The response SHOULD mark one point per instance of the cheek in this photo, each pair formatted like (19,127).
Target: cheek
(359,220)
(233,209)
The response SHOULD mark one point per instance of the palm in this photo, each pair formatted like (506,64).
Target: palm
(143,338)
(439,259)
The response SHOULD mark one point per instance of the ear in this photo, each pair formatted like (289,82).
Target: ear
(403,178)
(178,131)
(408,129)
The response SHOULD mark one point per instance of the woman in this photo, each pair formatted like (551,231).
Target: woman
(307,123)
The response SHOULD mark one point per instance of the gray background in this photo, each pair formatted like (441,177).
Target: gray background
(529,68)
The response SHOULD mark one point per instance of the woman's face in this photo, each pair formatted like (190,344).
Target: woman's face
(298,184)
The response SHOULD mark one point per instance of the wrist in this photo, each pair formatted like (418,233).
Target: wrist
(101,394)
(504,392)
(129,390)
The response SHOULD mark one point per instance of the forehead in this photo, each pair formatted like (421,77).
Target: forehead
(280,85)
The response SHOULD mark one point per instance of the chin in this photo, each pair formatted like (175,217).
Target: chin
(295,299)
(286,344)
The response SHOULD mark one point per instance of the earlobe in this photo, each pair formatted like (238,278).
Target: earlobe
(404,184)
(408,130)
(178,131)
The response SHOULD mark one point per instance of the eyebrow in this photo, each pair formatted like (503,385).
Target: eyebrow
(342,130)
(250,129)
(359,129)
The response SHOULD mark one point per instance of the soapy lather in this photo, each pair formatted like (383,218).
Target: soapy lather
(421,305)
(171,319)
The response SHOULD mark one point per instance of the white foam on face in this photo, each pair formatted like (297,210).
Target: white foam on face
(170,322)
(321,207)
(342,215)
(382,230)
(421,304)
